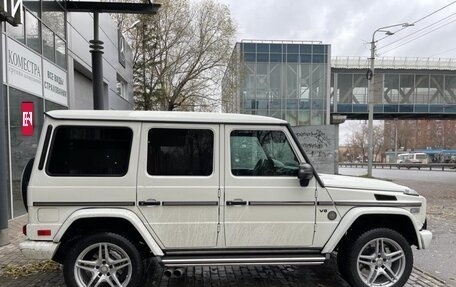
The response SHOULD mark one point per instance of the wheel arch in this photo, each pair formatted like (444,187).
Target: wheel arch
(361,219)
(120,221)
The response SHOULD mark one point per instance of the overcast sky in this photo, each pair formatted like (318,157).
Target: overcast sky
(348,26)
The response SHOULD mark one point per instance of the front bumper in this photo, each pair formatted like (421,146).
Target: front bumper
(44,250)
(425,238)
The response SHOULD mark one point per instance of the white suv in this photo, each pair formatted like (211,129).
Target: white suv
(108,189)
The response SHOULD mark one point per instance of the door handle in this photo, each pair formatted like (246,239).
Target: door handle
(149,202)
(236,201)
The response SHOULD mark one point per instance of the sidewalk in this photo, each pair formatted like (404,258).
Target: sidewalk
(14,268)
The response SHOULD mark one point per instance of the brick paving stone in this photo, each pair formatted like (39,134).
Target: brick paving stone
(211,276)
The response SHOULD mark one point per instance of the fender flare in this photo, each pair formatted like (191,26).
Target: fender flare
(353,214)
(114,213)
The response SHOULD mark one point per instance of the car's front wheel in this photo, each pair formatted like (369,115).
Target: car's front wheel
(379,257)
(103,259)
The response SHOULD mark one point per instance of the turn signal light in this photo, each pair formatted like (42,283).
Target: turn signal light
(44,232)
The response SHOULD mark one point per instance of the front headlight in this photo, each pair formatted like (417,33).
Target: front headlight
(410,191)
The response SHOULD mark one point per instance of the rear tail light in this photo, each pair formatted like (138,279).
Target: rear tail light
(24,229)
(44,232)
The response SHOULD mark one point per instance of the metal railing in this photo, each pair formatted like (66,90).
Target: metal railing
(395,63)
(419,166)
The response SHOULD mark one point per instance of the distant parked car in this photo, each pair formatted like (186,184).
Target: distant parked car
(410,160)
(453,160)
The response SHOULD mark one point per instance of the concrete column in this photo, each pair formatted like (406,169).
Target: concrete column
(336,151)
(4,162)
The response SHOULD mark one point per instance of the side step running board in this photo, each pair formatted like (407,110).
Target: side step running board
(175,261)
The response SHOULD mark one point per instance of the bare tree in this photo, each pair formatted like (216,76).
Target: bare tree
(420,134)
(180,54)
(231,84)
(379,146)
(357,142)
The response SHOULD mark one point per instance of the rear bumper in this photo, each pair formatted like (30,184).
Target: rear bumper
(425,238)
(38,249)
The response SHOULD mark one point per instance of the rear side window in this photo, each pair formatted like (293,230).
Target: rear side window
(185,152)
(90,151)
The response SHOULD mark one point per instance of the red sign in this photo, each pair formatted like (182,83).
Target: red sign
(27,119)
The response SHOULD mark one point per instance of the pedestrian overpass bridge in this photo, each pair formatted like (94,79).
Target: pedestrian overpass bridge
(408,88)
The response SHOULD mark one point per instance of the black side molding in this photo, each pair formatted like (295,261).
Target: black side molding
(84,203)
(190,203)
(236,202)
(148,203)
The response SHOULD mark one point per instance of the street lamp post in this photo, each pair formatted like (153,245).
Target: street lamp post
(371,92)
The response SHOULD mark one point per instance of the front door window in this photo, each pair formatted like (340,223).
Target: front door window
(262,153)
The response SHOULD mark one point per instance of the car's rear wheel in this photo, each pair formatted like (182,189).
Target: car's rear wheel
(103,259)
(378,258)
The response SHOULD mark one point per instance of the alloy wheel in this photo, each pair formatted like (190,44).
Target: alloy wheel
(381,262)
(103,264)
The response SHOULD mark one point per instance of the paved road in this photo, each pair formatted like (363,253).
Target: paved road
(439,188)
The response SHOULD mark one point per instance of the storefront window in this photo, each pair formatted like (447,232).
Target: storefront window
(54,17)
(46,37)
(48,43)
(32,32)
(23,148)
(60,52)
(16,33)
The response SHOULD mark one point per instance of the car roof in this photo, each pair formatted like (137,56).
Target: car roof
(161,116)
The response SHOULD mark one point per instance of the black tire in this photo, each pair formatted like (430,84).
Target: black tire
(25,179)
(117,247)
(341,264)
(402,267)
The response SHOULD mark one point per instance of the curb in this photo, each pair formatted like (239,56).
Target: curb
(430,275)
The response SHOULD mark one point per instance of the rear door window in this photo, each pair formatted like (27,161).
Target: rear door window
(180,152)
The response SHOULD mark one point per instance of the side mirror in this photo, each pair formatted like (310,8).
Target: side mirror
(305,174)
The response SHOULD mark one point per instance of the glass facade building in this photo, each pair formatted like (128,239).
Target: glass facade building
(286,80)
(47,66)
(411,93)
(403,87)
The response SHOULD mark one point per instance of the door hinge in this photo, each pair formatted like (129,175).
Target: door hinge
(219,193)
(218,227)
